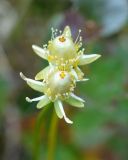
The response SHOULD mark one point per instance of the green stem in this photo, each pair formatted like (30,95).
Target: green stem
(52,137)
(37,135)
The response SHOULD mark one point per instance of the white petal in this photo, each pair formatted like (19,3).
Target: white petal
(63,113)
(34,99)
(83,80)
(75,101)
(79,73)
(36,85)
(76,97)
(43,102)
(74,74)
(40,51)
(57,108)
(67,32)
(86,59)
(42,74)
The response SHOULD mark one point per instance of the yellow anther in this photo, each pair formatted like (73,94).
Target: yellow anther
(49,91)
(62,39)
(76,63)
(50,58)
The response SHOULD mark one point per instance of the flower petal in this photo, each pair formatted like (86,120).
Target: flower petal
(75,101)
(74,74)
(86,59)
(83,80)
(34,99)
(67,32)
(79,73)
(57,105)
(42,74)
(40,51)
(36,85)
(43,102)
(63,113)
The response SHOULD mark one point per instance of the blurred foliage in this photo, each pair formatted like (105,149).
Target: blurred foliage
(45,6)
(111,15)
(3,93)
(100,129)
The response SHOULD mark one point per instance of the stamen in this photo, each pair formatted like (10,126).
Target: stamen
(62,39)
(55,32)
(78,36)
(83,49)
(45,46)
(50,58)
(80,39)
(60,32)
(52,37)
(80,44)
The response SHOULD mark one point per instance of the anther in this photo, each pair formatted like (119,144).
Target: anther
(62,39)
(78,36)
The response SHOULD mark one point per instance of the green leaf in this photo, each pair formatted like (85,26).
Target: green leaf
(88,129)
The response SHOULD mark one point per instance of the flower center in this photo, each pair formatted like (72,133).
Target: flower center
(62,39)
(62,74)
(59,84)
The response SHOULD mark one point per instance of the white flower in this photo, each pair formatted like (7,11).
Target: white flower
(63,52)
(57,86)
(58,80)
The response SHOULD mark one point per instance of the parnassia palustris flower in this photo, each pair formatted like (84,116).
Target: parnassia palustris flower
(58,80)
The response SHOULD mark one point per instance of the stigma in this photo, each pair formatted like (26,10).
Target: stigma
(62,74)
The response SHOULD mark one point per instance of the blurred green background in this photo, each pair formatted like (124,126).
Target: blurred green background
(100,130)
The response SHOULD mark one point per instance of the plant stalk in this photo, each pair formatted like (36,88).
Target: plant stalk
(52,137)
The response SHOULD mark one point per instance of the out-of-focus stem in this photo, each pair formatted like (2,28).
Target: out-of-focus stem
(52,137)
(37,135)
